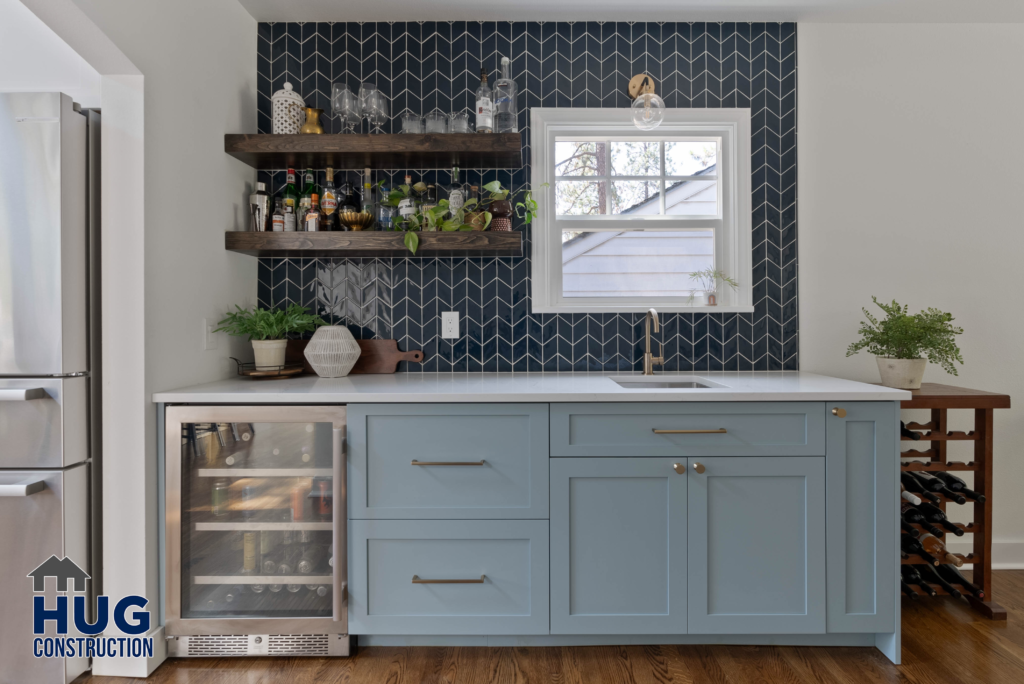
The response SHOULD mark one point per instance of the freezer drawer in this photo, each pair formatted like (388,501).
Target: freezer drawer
(51,521)
(48,431)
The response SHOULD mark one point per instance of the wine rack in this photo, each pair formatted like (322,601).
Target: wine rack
(934,434)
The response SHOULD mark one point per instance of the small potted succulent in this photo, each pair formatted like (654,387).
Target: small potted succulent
(903,343)
(268,330)
(708,281)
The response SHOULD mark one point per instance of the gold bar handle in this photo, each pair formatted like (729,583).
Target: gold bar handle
(719,431)
(448,463)
(416,580)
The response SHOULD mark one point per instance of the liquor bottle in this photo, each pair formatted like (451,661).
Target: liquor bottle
(290,195)
(407,205)
(308,190)
(289,218)
(277,223)
(430,198)
(911,483)
(959,486)
(367,203)
(907,590)
(908,496)
(329,203)
(934,484)
(385,212)
(311,219)
(311,558)
(911,545)
(934,514)
(952,575)
(505,101)
(348,200)
(935,547)
(259,207)
(484,105)
(456,192)
(912,576)
(909,514)
(929,574)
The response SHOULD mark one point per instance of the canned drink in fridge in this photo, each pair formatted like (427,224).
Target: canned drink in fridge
(219,497)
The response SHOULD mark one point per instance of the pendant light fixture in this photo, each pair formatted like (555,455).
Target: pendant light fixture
(648,109)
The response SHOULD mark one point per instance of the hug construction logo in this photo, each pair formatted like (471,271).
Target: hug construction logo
(87,641)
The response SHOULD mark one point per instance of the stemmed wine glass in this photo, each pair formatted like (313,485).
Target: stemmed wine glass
(365,91)
(346,107)
(377,105)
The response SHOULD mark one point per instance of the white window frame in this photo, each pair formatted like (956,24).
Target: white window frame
(732,231)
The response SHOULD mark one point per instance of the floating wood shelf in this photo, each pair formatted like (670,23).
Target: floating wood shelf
(375,244)
(383,151)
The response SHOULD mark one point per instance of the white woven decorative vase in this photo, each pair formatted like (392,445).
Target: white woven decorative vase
(286,107)
(332,351)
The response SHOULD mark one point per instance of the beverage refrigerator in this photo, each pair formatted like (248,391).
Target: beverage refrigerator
(256,531)
(49,363)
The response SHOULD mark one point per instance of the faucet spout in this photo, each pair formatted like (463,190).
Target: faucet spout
(649,359)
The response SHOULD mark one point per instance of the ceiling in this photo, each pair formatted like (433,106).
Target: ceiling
(881,11)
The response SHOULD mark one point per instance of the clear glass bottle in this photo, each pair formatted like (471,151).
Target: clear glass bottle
(289,219)
(407,206)
(505,101)
(430,198)
(277,221)
(484,105)
(456,192)
(366,205)
(385,212)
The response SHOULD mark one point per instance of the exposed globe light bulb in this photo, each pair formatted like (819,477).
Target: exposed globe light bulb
(648,111)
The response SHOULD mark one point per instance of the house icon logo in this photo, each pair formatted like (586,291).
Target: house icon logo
(63,569)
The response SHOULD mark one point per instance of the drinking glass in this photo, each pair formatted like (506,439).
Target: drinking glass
(412,123)
(378,110)
(365,90)
(458,122)
(437,122)
(345,106)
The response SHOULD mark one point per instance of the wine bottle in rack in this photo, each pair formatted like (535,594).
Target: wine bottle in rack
(934,546)
(904,432)
(910,482)
(907,590)
(952,575)
(909,514)
(934,484)
(909,529)
(929,575)
(911,545)
(909,496)
(959,486)
(934,514)
(912,576)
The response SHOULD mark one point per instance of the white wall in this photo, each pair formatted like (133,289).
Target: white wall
(34,59)
(911,181)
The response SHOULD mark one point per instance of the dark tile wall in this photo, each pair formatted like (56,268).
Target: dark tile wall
(423,65)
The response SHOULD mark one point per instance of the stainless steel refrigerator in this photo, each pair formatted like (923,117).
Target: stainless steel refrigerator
(49,218)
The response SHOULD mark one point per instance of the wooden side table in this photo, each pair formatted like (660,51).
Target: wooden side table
(939,399)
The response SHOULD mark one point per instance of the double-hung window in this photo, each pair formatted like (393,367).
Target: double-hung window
(627,216)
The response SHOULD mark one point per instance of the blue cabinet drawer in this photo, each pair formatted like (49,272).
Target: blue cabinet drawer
(453,577)
(689,429)
(448,461)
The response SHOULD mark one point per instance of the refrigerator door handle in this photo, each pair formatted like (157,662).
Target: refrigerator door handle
(22,394)
(25,488)
(340,536)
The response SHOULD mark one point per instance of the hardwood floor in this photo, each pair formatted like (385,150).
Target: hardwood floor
(943,642)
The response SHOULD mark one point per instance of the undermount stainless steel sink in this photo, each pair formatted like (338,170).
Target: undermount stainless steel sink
(663,382)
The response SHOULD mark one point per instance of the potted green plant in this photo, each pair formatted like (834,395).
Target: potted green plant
(268,330)
(708,280)
(903,343)
(499,203)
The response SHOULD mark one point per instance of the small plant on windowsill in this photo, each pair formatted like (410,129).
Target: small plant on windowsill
(903,344)
(268,330)
(707,281)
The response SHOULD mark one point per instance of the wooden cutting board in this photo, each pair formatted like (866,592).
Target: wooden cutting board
(382,356)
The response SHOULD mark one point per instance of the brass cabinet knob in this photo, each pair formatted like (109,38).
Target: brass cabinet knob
(679,468)
(838,412)
(699,467)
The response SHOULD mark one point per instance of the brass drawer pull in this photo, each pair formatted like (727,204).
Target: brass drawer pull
(719,431)
(448,463)
(416,580)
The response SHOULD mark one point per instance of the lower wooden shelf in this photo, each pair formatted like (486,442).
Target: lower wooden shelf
(356,244)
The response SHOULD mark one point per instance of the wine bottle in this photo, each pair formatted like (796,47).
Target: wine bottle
(934,546)
(904,432)
(910,514)
(935,515)
(959,486)
(952,575)
(289,195)
(934,484)
(909,496)
(907,590)
(910,482)
(911,545)
(912,576)
(909,529)
(929,575)
(484,105)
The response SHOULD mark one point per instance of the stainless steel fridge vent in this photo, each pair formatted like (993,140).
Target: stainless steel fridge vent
(298,644)
(218,645)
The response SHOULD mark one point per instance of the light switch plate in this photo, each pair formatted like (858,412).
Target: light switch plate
(209,337)
(449,325)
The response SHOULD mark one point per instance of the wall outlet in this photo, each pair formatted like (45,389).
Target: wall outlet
(209,337)
(449,325)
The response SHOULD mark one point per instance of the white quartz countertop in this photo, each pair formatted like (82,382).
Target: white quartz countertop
(527,387)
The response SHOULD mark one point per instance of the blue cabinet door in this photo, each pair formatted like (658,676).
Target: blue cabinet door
(756,557)
(618,546)
(861,473)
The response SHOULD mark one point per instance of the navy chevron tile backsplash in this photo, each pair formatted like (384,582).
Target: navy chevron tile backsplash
(425,65)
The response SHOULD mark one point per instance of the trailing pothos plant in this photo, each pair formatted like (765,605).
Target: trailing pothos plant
(525,208)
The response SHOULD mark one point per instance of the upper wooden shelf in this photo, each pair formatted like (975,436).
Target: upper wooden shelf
(362,244)
(383,151)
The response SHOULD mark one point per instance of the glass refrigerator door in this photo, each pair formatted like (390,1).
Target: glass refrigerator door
(257,512)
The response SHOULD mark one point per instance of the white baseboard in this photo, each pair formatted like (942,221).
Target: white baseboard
(134,667)
(1006,555)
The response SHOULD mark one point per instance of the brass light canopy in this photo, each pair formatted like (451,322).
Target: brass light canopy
(648,109)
